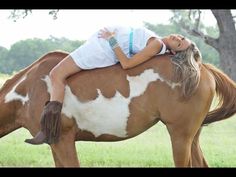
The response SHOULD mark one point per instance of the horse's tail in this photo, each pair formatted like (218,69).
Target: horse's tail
(226,92)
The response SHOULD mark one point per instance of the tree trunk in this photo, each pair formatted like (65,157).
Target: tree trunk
(228,61)
(226,41)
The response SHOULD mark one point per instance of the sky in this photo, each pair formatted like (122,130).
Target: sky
(77,24)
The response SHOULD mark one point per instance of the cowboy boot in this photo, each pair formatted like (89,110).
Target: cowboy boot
(50,124)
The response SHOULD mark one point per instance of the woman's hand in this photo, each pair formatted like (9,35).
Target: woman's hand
(105,34)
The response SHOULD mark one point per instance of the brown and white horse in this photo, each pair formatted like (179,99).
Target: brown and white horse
(112,104)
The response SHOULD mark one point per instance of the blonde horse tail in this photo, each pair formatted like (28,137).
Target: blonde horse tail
(226,92)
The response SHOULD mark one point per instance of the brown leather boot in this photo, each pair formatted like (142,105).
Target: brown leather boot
(50,124)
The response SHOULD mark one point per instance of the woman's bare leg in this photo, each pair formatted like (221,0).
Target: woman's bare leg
(58,77)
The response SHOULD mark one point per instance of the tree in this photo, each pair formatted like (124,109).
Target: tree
(3,61)
(25,52)
(209,54)
(18,14)
(225,43)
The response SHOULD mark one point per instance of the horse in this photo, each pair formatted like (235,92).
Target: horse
(112,104)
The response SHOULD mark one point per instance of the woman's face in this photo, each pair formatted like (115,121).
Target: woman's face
(178,42)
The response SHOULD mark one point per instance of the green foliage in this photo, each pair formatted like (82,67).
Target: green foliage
(209,54)
(21,14)
(25,52)
(3,59)
(18,14)
(192,19)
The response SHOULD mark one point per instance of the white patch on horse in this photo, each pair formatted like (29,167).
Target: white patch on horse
(105,115)
(12,95)
(100,116)
(138,84)
(49,83)
(172,84)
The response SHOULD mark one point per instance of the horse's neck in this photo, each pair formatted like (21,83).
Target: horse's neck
(7,116)
(12,98)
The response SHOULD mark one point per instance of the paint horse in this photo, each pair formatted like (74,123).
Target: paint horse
(112,104)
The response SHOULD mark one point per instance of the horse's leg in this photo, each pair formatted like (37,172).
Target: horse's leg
(65,151)
(56,160)
(181,138)
(181,147)
(198,159)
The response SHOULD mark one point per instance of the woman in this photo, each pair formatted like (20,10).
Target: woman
(129,46)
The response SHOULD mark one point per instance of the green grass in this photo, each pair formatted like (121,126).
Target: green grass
(150,149)
(218,142)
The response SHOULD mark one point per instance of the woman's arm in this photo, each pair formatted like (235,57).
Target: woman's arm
(152,48)
(148,52)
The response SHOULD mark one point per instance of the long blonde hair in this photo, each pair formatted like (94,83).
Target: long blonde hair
(187,70)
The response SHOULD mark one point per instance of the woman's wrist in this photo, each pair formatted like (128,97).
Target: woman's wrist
(109,37)
(112,42)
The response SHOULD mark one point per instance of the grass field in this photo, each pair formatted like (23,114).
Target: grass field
(150,149)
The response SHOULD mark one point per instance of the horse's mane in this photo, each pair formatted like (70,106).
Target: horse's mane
(187,70)
(22,72)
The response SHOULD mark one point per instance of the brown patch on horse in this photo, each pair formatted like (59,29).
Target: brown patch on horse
(114,78)
(108,80)
(8,119)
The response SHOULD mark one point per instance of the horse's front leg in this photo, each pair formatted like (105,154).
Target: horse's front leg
(64,152)
(198,159)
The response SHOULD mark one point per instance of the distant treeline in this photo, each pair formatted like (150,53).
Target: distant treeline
(24,52)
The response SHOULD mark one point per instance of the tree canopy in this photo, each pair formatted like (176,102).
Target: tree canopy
(25,52)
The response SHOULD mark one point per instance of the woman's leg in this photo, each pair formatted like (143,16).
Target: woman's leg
(51,115)
(58,77)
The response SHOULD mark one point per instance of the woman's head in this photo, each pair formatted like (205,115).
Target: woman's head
(176,42)
(187,69)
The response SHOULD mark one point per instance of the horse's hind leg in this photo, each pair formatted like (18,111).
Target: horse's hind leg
(182,134)
(56,159)
(181,147)
(65,151)
(198,159)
